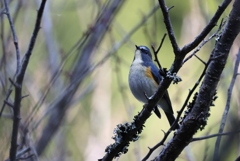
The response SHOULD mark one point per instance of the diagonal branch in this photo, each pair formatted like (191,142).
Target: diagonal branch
(151,150)
(214,135)
(197,118)
(216,34)
(227,107)
(80,71)
(130,134)
(212,23)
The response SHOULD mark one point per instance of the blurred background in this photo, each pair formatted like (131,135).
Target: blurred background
(77,77)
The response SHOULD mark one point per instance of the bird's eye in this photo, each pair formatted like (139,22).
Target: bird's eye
(143,50)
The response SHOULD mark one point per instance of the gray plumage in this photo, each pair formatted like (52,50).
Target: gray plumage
(144,78)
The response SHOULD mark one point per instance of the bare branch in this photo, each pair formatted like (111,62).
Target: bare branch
(200,60)
(8,103)
(18,85)
(197,118)
(3,106)
(168,24)
(25,96)
(126,37)
(227,107)
(156,51)
(80,71)
(205,41)
(119,147)
(214,135)
(212,23)
(151,150)
(15,39)
(191,91)
(12,82)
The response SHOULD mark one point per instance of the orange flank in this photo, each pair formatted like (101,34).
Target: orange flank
(149,75)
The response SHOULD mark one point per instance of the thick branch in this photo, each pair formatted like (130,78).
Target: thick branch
(145,113)
(198,116)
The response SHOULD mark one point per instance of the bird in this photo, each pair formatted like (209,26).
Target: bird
(144,78)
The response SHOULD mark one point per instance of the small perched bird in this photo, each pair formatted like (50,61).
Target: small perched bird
(144,78)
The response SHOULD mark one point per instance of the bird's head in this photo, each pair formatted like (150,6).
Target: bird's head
(142,54)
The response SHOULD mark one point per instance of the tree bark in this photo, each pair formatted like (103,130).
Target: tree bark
(197,118)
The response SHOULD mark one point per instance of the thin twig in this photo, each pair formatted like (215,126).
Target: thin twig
(151,150)
(227,107)
(79,44)
(8,103)
(214,135)
(156,51)
(15,39)
(2,10)
(212,23)
(79,72)
(25,96)
(3,106)
(223,22)
(116,46)
(200,59)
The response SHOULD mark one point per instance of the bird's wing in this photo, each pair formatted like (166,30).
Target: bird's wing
(152,73)
(157,77)
(167,99)
(155,73)
(157,112)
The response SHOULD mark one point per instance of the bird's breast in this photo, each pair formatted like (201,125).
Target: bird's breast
(141,82)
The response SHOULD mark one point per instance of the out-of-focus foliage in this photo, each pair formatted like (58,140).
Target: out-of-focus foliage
(104,99)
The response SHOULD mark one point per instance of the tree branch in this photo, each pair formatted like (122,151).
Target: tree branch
(179,113)
(18,86)
(80,71)
(197,118)
(214,135)
(128,135)
(217,33)
(15,39)
(212,23)
(168,24)
(155,52)
(227,107)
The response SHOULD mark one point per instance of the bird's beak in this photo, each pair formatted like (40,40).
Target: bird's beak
(137,47)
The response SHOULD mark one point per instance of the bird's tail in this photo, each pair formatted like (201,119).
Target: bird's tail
(171,120)
(157,112)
